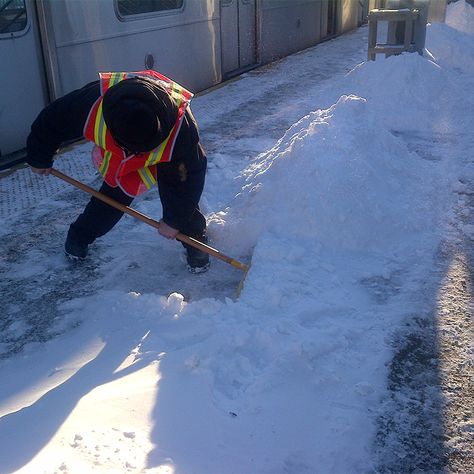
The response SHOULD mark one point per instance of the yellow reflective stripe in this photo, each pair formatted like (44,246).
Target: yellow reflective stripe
(152,156)
(177,93)
(147,177)
(155,156)
(114,78)
(97,123)
(100,129)
(104,166)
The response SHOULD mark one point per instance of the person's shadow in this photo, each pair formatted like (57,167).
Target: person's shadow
(24,433)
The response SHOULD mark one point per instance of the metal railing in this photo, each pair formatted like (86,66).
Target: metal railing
(406,30)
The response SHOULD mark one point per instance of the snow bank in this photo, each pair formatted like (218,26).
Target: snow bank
(342,177)
(452,43)
(405,92)
(451,48)
(460,16)
(339,177)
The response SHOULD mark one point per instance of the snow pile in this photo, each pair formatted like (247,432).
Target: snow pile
(461,17)
(406,92)
(452,43)
(339,177)
(342,177)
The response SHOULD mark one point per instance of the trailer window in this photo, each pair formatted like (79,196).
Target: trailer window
(136,7)
(12,16)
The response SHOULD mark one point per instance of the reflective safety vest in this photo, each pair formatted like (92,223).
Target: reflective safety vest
(136,173)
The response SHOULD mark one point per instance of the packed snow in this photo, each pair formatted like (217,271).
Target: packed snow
(340,216)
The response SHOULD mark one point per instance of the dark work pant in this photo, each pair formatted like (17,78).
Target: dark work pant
(99,218)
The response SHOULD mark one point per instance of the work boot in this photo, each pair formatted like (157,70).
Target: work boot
(198,261)
(74,248)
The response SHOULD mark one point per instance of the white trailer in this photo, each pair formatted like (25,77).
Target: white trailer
(50,47)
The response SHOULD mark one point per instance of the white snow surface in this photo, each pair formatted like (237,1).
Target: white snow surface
(288,377)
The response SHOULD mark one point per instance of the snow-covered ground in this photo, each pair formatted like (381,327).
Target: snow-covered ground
(349,186)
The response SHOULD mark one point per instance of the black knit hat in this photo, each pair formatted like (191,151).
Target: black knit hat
(139,114)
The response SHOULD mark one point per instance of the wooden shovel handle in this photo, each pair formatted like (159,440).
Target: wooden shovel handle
(147,220)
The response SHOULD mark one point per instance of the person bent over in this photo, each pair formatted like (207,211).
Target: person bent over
(144,134)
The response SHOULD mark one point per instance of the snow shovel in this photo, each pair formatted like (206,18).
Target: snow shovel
(147,220)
